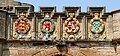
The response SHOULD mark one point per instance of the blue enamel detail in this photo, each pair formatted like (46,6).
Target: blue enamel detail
(96,23)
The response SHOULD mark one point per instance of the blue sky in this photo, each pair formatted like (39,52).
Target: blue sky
(110,4)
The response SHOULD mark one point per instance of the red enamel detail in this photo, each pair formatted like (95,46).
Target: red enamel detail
(25,26)
(71,24)
(47,25)
(22,26)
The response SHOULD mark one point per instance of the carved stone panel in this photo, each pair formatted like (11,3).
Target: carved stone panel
(47,28)
(96,27)
(22,26)
(72,28)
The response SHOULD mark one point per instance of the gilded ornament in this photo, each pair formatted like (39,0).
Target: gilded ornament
(96,24)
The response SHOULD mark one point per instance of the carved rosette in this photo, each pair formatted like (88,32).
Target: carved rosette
(22,26)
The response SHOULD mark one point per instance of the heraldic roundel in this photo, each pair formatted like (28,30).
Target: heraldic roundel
(96,24)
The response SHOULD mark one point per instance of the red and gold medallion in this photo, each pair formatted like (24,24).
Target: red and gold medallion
(22,25)
(72,25)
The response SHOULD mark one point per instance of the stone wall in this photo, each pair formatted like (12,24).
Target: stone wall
(94,51)
(2,23)
(109,27)
(30,51)
(116,25)
(50,50)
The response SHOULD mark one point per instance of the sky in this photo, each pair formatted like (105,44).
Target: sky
(110,5)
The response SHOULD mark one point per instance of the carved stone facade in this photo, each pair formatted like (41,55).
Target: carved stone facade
(24,32)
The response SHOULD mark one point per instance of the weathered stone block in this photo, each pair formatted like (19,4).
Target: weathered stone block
(13,52)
